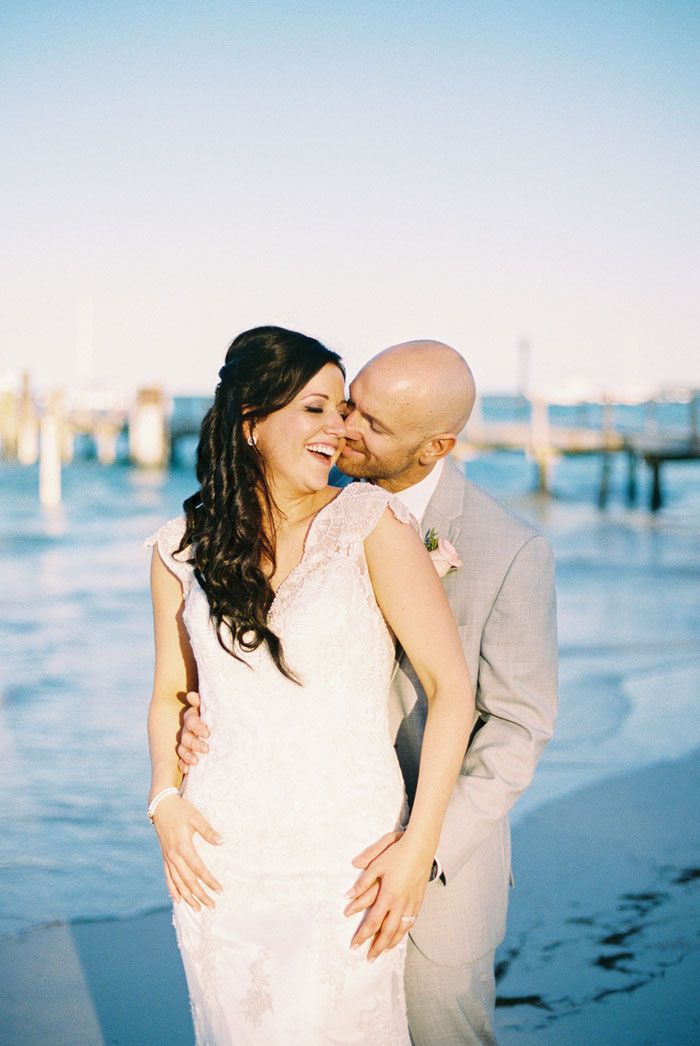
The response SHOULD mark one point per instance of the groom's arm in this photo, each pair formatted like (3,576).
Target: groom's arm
(517,702)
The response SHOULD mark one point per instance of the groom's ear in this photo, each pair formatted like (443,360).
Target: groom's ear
(436,447)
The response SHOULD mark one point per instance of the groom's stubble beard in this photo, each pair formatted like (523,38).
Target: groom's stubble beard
(374,469)
(357,468)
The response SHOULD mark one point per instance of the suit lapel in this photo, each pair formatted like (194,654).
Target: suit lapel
(446,506)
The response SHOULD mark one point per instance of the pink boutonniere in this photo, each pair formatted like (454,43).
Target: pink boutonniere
(443,554)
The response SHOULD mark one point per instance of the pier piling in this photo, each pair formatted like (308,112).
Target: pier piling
(148,440)
(50,461)
(27,426)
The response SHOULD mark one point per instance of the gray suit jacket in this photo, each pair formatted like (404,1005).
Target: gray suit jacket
(503,602)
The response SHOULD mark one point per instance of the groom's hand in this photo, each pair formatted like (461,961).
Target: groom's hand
(192,738)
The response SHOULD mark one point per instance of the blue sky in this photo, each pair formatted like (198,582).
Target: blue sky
(366,172)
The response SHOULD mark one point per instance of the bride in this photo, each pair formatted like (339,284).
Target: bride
(278,598)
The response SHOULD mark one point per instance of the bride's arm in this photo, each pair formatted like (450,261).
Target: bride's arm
(414,604)
(175,819)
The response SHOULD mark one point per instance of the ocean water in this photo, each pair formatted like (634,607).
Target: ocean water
(76,636)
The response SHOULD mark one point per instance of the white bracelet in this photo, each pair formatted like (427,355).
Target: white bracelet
(157,798)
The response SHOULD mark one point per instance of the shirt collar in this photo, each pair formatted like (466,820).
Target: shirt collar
(416,498)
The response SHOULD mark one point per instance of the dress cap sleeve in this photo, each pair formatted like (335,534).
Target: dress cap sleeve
(354,514)
(168,539)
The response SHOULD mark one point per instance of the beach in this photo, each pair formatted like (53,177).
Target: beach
(603,939)
(603,943)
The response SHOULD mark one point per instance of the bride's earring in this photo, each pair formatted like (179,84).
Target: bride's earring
(252,440)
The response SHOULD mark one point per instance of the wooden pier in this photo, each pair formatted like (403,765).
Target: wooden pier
(48,433)
(544,444)
(656,451)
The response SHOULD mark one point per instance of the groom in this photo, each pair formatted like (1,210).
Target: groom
(407,406)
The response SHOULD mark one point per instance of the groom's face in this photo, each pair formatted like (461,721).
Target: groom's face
(382,440)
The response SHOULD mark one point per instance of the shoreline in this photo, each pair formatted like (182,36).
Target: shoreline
(603,939)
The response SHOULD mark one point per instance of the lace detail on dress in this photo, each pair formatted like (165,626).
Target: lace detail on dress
(258,999)
(384,1012)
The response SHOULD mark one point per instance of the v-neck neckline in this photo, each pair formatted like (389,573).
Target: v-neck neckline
(305,546)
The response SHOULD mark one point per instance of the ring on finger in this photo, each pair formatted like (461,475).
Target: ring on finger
(408,918)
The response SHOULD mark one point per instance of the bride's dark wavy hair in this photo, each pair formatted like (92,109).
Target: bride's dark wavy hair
(229,516)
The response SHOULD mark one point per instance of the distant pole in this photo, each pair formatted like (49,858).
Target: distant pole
(524,360)
(540,445)
(608,418)
(27,429)
(50,461)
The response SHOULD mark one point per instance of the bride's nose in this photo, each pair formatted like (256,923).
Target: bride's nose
(351,429)
(336,425)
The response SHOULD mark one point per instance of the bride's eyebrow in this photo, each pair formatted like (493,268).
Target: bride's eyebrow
(322,395)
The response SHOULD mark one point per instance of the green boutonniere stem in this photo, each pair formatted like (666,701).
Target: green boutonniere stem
(431,540)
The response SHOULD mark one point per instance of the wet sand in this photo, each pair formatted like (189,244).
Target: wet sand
(93,983)
(603,944)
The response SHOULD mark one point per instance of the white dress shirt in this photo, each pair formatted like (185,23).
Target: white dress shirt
(416,498)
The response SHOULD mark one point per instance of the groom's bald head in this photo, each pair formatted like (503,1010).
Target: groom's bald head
(408,405)
(430,378)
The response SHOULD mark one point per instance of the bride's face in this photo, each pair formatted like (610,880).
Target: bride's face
(303,440)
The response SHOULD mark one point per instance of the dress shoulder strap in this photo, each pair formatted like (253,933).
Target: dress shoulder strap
(168,539)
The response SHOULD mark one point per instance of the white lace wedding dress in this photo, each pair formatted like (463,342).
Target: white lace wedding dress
(298,780)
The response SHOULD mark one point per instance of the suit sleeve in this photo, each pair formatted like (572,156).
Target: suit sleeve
(516,700)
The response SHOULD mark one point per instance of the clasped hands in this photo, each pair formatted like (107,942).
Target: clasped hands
(390,888)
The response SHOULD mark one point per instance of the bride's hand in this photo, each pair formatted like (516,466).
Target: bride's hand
(175,822)
(392,889)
